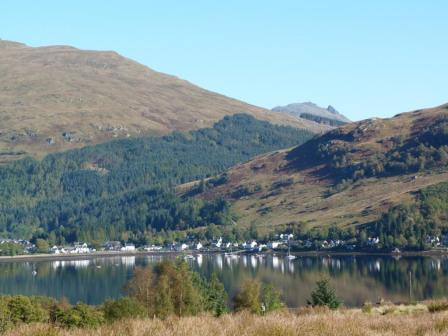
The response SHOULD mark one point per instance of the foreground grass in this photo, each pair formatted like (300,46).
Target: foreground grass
(351,322)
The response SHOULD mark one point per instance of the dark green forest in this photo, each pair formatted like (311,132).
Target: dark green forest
(126,187)
(409,225)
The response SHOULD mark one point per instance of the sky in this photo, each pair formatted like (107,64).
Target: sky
(365,58)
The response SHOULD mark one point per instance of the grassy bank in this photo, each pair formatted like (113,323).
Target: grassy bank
(392,320)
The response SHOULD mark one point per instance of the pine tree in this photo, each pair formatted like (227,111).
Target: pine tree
(217,296)
(324,295)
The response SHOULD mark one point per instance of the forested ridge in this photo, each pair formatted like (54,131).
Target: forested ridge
(127,186)
(415,225)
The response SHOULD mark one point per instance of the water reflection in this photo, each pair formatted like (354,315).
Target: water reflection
(356,279)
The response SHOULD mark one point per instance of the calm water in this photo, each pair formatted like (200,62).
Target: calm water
(356,279)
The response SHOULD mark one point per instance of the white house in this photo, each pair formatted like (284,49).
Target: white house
(198,246)
(249,246)
(218,243)
(286,236)
(58,250)
(273,244)
(128,248)
(80,248)
(180,247)
(152,248)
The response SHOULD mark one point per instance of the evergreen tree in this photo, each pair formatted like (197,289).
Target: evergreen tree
(324,295)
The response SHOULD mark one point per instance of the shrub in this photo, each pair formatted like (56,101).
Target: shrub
(271,298)
(248,298)
(437,306)
(79,316)
(123,308)
(22,309)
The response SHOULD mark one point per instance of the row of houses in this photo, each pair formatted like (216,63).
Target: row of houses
(83,248)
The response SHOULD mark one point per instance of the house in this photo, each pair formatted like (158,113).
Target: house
(128,248)
(218,243)
(180,247)
(372,241)
(112,246)
(198,246)
(79,248)
(250,246)
(152,248)
(58,250)
(286,236)
(273,245)
(433,240)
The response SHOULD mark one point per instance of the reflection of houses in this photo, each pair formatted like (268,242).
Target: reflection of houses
(128,261)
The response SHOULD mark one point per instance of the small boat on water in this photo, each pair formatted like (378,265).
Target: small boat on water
(290,256)
(189,256)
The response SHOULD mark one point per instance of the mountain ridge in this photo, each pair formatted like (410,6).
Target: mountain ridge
(59,97)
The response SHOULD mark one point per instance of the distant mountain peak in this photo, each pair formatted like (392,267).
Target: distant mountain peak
(312,111)
(331,109)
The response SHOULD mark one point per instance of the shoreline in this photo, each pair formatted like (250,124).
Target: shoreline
(108,254)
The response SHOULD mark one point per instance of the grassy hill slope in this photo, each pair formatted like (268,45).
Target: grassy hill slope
(59,97)
(346,177)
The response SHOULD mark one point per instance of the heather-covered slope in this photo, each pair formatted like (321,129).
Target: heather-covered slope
(347,177)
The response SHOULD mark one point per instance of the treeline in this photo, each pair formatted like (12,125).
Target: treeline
(168,289)
(414,225)
(127,185)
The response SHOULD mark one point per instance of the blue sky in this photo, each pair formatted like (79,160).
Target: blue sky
(366,58)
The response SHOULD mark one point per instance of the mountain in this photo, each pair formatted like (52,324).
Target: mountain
(59,97)
(348,177)
(328,116)
(126,186)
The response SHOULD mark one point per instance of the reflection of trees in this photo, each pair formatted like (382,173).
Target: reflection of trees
(356,279)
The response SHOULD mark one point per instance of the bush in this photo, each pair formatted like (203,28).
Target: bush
(257,298)
(324,295)
(271,298)
(22,309)
(79,316)
(437,306)
(123,308)
(248,298)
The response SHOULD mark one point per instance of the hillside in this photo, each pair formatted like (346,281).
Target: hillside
(310,111)
(59,97)
(126,186)
(348,177)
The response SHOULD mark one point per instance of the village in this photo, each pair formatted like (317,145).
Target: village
(284,242)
